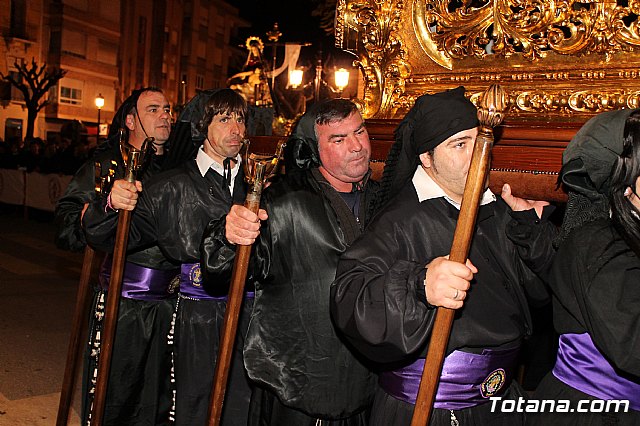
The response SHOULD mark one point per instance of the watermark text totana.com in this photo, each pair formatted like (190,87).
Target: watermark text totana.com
(522,405)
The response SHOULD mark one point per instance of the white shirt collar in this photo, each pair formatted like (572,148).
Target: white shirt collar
(427,189)
(205,163)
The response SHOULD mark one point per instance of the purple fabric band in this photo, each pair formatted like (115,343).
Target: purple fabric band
(140,283)
(467,379)
(191,284)
(580,365)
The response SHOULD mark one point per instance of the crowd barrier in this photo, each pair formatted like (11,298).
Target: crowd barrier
(32,189)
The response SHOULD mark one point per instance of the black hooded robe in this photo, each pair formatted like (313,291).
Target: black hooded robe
(172,212)
(379,303)
(594,280)
(302,369)
(594,285)
(139,378)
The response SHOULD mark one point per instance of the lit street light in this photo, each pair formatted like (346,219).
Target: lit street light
(295,78)
(341,80)
(99,105)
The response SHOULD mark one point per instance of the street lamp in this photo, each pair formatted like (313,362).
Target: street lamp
(341,80)
(99,105)
(295,78)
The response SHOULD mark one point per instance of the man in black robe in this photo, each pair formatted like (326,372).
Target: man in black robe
(303,372)
(139,391)
(172,212)
(389,283)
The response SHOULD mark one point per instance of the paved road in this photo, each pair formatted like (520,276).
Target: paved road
(37,295)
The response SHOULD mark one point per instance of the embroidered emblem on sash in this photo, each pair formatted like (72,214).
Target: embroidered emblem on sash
(195,275)
(174,285)
(493,383)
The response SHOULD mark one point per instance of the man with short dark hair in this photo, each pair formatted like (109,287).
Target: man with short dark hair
(139,389)
(302,371)
(148,106)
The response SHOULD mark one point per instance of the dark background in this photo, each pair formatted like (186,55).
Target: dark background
(297,25)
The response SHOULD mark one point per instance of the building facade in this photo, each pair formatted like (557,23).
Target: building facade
(109,48)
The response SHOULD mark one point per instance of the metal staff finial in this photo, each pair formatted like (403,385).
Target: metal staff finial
(134,159)
(257,169)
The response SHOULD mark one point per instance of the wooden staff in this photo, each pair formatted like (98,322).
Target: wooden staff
(133,160)
(490,114)
(257,170)
(76,345)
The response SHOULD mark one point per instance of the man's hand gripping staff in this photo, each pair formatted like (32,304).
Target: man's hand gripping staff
(490,114)
(134,160)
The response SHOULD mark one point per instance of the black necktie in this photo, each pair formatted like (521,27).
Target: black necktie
(226,173)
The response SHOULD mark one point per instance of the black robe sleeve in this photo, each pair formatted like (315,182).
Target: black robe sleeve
(374,299)
(218,255)
(100,226)
(533,239)
(154,207)
(69,233)
(100,223)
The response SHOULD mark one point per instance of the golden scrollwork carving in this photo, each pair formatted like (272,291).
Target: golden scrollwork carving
(582,101)
(558,60)
(531,28)
(368,28)
(555,102)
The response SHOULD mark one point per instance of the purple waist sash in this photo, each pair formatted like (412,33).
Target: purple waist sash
(467,379)
(139,282)
(580,365)
(191,284)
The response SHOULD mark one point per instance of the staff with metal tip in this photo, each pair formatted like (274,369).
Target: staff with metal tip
(134,159)
(490,114)
(258,169)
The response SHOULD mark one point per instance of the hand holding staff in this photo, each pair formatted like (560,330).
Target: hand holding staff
(133,160)
(490,114)
(257,170)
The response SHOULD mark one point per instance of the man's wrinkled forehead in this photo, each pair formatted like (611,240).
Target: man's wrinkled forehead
(343,132)
(337,128)
(149,100)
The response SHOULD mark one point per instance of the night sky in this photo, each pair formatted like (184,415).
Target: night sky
(296,25)
(293,17)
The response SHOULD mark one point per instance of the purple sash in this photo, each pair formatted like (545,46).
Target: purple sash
(139,282)
(467,379)
(191,284)
(580,365)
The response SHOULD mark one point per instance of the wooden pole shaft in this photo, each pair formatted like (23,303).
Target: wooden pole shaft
(76,346)
(474,188)
(231,318)
(111,317)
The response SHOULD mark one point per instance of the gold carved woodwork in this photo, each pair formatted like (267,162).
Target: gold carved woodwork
(557,60)
(381,55)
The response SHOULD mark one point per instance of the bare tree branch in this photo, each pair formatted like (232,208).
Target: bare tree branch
(34,84)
